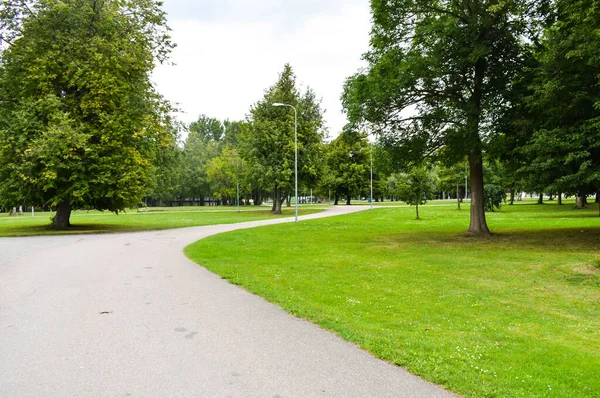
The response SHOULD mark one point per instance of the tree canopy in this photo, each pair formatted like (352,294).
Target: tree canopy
(81,122)
(438,73)
(267,139)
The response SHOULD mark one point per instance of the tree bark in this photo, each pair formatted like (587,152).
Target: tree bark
(512,196)
(417,207)
(277,201)
(551,196)
(559,198)
(62,216)
(457,196)
(541,199)
(581,201)
(478,224)
(598,197)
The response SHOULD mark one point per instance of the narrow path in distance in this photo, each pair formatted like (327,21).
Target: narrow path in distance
(129,315)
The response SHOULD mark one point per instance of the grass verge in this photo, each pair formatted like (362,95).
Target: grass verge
(84,222)
(514,315)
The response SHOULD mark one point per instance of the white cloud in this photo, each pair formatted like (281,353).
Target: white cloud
(223,65)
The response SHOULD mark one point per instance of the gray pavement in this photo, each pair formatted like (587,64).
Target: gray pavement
(121,315)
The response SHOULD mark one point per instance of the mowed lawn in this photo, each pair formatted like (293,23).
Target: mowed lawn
(514,315)
(149,219)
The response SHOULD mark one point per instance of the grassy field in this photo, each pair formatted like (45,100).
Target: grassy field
(514,315)
(148,219)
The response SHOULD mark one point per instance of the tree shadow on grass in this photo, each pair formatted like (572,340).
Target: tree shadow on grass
(34,230)
(551,239)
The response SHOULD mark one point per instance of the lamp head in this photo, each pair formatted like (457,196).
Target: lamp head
(278,104)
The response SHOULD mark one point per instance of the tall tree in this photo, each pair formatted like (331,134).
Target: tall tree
(80,119)
(267,139)
(565,149)
(438,74)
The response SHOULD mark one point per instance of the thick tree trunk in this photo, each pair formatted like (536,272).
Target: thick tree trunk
(551,196)
(559,198)
(541,199)
(288,200)
(512,196)
(348,200)
(598,197)
(62,216)
(478,224)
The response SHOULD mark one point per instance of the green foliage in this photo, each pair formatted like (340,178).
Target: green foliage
(438,75)
(494,196)
(565,147)
(415,187)
(224,173)
(267,139)
(81,123)
(348,164)
(200,148)
(208,129)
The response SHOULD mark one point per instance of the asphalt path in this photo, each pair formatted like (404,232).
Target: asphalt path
(128,315)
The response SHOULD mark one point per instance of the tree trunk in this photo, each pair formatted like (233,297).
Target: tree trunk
(348,200)
(288,200)
(512,196)
(417,207)
(62,216)
(541,199)
(581,201)
(457,196)
(559,198)
(275,197)
(478,224)
(551,196)
(598,197)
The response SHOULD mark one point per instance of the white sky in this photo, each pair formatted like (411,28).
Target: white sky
(229,51)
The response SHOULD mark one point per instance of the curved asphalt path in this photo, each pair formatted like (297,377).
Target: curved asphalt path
(121,315)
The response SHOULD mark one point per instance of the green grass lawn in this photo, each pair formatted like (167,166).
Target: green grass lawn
(514,315)
(149,219)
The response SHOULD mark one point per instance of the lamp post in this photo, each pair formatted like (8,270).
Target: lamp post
(371,176)
(295,152)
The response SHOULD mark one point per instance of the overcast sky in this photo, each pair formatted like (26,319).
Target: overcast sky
(229,51)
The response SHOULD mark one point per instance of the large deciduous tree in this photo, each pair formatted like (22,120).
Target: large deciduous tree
(80,121)
(438,73)
(267,139)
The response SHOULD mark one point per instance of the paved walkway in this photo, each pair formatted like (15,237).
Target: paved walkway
(121,315)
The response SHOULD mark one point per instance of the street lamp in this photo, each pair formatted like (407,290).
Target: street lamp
(371,176)
(295,152)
